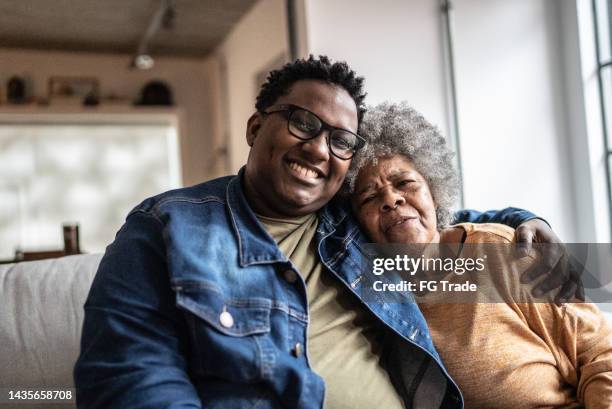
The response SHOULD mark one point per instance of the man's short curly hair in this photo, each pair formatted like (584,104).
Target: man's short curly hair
(397,129)
(339,73)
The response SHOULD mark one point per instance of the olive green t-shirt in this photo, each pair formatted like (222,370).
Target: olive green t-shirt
(344,339)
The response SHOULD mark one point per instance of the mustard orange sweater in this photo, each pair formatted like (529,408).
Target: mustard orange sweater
(523,355)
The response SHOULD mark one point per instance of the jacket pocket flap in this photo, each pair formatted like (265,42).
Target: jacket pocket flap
(231,316)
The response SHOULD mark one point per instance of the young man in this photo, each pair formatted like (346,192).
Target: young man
(243,291)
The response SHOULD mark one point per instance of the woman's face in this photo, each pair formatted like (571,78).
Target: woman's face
(393,203)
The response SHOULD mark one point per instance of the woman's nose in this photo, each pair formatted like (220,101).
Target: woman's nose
(391,200)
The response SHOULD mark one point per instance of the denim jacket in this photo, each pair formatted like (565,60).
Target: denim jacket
(191,308)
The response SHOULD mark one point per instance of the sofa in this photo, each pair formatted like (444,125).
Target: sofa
(41,316)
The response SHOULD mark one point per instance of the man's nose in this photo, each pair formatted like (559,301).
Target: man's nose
(318,147)
(391,200)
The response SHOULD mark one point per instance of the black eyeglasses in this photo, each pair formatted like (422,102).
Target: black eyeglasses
(305,125)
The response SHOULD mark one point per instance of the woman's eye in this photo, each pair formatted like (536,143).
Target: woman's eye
(405,182)
(367,199)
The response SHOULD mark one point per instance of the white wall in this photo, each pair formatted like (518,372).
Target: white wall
(510,74)
(192,81)
(512,108)
(258,40)
(395,45)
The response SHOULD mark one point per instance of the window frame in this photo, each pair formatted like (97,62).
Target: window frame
(603,64)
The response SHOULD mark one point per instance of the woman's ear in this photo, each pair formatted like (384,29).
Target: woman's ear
(253,126)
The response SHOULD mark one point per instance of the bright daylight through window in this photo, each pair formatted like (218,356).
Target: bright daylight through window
(90,174)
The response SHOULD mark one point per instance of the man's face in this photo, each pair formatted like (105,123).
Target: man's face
(289,177)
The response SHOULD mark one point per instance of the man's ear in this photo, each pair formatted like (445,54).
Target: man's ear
(253,127)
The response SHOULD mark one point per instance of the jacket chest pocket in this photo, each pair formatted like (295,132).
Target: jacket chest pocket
(229,337)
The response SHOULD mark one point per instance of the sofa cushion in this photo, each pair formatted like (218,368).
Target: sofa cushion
(41,315)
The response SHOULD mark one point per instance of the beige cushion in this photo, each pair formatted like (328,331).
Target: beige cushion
(41,315)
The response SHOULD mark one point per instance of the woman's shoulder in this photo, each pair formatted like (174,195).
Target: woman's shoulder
(479,233)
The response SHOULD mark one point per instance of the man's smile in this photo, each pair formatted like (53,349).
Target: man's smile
(306,173)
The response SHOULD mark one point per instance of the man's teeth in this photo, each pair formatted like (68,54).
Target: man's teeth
(304,172)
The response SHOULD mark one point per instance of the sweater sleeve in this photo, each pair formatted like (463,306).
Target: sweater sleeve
(581,341)
(576,333)
(593,353)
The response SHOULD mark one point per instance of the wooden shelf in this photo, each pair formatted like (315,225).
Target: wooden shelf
(81,114)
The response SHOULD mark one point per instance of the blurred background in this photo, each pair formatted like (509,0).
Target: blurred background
(104,103)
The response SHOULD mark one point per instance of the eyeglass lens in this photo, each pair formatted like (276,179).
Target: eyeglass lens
(306,125)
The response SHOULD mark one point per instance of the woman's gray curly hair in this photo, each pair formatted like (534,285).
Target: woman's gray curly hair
(397,129)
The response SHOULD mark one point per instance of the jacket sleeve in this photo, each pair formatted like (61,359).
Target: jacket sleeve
(134,340)
(510,216)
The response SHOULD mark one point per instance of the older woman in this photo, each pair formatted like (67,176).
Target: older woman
(502,355)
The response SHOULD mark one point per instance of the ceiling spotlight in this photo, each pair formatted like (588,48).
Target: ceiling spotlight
(143,62)
(164,17)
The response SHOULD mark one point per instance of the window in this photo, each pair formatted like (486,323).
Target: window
(70,170)
(602,11)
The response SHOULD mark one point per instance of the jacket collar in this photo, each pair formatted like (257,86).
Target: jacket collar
(254,243)
(335,212)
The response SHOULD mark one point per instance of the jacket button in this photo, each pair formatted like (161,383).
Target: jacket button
(290,276)
(297,350)
(226,319)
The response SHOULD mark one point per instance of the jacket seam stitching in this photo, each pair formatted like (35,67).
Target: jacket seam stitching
(236,229)
(149,213)
(203,200)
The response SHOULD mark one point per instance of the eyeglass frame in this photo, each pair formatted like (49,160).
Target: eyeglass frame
(291,108)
